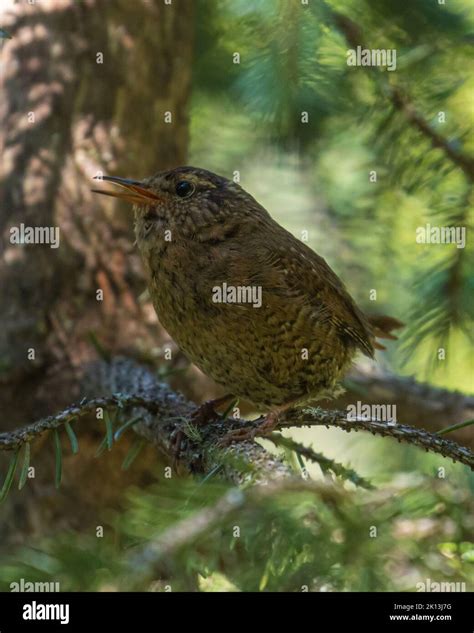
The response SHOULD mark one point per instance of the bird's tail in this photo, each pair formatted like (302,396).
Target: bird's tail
(382,327)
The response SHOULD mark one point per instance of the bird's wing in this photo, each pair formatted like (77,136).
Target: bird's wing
(287,270)
(295,271)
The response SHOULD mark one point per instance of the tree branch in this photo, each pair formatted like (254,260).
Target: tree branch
(324,462)
(15,439)
(437,408)
(163,413)
(403,103)
(401,432)
(161,549)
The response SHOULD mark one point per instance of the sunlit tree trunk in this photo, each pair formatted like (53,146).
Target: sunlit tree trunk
(86,87)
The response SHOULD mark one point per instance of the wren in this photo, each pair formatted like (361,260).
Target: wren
(251,305)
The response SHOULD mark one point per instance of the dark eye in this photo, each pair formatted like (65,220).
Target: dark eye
(184,188)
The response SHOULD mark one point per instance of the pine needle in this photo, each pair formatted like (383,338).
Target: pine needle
(9,478)
(59,459)
(24,468)
(109,431)
(132,453)
(455,427)
(72,438)
(121,430)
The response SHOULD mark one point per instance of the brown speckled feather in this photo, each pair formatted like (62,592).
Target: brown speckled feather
(293,347)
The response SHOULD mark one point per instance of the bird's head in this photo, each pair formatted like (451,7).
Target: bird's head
(189,201)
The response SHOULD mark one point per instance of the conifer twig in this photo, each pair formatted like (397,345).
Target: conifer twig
(314,416)
(185,532)
(325,462)
(163,413)
(402,102)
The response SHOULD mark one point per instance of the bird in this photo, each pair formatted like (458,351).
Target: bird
(254,307)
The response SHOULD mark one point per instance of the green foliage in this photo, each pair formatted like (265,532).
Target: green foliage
(293,60)
(283,539)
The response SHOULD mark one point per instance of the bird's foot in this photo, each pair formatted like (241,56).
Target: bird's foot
(203,414)
(206,412)
(267,426)
(237,435)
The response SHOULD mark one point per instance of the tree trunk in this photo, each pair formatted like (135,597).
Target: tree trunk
(85,89)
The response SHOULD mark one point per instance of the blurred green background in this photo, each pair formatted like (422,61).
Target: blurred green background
(315,176)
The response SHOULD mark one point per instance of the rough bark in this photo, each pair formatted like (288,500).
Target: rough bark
(84,87)
(83,84)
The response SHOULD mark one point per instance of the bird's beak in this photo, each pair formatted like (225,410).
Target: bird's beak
(135,191)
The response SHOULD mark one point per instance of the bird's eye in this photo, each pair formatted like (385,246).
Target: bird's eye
(184,189)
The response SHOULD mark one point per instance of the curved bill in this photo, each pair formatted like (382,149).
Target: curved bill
(135,191)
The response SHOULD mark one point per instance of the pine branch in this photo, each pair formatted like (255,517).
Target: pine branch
(162,414)
(403,103)
(325,462)
(150,559)
(15,439)
(188,530)
(401,432)
(415,401)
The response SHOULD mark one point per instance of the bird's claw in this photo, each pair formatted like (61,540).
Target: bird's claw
(267,426)
(237,435)
(205,413)
(201,416)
